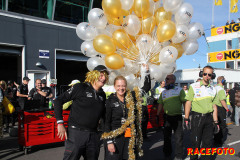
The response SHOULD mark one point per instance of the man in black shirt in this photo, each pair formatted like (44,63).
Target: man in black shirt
(22,93)
(87,109)
(36,94)
(47,90)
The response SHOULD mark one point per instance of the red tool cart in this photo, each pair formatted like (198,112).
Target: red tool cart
(152,111)
(38,127)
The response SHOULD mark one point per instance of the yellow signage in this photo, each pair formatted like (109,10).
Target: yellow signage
(224,56)
(225,29)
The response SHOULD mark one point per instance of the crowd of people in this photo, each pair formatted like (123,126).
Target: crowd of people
(20,97)
(124,115)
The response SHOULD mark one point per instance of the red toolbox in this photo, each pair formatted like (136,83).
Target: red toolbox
(152,111)
(38,127)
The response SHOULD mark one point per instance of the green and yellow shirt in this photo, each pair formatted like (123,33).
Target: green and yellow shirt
(221,95)
(172,100)
(202,97)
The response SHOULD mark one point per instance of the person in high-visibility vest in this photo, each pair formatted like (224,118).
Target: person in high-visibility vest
(159,90)
(228,102)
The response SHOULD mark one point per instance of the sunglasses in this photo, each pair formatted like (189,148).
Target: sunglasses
(209,74)
(168,79)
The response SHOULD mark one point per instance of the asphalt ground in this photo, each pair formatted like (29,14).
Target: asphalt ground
(152,147)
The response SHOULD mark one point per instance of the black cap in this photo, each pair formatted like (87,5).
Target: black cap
(26,78)
(101,68)
(43,81)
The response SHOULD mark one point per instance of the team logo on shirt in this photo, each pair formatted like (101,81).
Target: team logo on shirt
(101,98)
(89,94)
(116,104)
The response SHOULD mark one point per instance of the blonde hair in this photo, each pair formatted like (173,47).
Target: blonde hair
(3,84)
(219,79)
(93,76)
(120,78)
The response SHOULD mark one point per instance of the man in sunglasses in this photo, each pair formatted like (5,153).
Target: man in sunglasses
(220,137)
(200,98)
(171,100)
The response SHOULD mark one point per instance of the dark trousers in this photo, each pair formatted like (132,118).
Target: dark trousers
(173,123)
(201,132)
(121,149)
(233,113)
(222,134)
(81,143)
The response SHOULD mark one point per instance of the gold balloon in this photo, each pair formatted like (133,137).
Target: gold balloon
(125,13)
(161,15)
(114,61)
(141,7)
(155,59)
(166,30)
(155,0)
(132,52)
(133,38)
(121,39)
(112,8)
(104,44)
(115,21)
(179,49)
(148,25)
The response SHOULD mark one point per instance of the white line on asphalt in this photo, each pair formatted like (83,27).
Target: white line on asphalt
(230,144)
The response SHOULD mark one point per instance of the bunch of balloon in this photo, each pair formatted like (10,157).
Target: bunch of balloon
(128,33)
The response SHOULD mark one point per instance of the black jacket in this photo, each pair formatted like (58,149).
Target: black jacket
(87,108)
(115,111)
(232,95)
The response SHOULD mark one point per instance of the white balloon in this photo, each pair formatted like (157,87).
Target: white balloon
(104,31)
(153,82)
(165,44)
(111,78)
(144,43)
(88,49)
(130,81)
(112,28)
(190,47)
(85,31)
(171,5)
(184,14)
(93,62)
(155,72)
(168,68)
(195,30)
(181,34)
(97,18)
(157,47)
(168,54)
(132,25)
(127,4)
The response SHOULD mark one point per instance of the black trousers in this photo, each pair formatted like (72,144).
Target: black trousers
(222,134)
(233,113)
(201,132)
(81,143)
(121,149)
(173,123)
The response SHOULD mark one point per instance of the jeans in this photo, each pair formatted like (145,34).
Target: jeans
(237,110)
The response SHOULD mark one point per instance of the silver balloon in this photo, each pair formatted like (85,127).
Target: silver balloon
(195,30)
(190,47)
(144,43)
(168,68)
(181,34)
(184,14)
(168,54)
(132,25)
(111,78)
(127,4)
(85,31)
(104,31)
(112,28)
(130,81)
(93,62)
(155,72)
(171,5)
(88,49)
(97,18)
